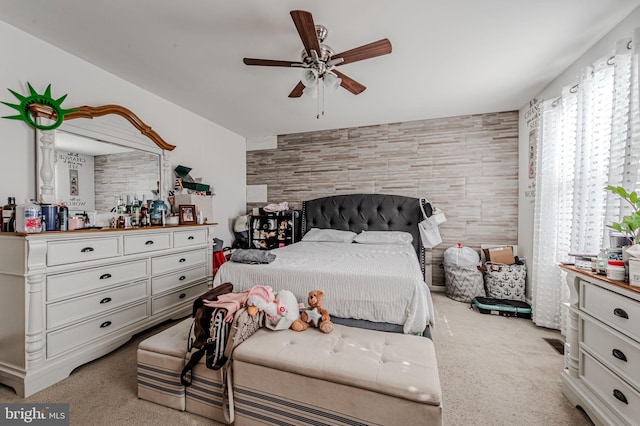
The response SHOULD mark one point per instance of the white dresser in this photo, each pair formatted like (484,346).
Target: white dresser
(603,374)
(67,298)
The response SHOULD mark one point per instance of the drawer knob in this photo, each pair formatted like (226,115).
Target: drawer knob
(182,260)
(190,237)
(105,300)
(619,312)
(620,396)
(105,324)
(148,243)
(182,278)
(182,295)
(86,250)
(105,276)
(619,354)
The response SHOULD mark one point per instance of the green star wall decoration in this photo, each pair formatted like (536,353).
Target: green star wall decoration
(44,99)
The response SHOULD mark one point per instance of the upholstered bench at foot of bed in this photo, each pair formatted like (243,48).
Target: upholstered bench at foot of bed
(351,376)
(161,358)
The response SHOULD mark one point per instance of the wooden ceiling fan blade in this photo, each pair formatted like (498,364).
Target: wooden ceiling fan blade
(303,21)
(371,50)
(297,91)
(272,63)
(349,83)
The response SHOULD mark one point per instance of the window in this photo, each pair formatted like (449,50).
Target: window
(589,138)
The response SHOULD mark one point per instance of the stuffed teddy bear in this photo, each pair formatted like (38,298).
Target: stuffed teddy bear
(314,314)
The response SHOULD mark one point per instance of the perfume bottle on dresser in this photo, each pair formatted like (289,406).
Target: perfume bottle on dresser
(8,210)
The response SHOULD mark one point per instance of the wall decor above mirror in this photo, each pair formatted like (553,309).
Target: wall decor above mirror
(100,154)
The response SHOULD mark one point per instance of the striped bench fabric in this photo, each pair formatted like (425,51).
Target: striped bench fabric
(161,358)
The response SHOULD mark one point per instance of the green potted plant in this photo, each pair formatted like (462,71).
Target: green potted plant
(631,223)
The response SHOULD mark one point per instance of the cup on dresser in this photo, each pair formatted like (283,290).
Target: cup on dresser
(50,215)
(76,222)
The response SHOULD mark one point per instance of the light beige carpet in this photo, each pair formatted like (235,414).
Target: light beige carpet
(497,370)
(494,371)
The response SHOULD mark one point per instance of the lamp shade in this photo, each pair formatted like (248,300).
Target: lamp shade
(332,82)
(309,77)
(311,91)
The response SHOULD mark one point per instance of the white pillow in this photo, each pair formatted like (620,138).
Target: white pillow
(329,235)
(384,237)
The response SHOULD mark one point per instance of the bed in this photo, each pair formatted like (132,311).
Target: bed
(376,282)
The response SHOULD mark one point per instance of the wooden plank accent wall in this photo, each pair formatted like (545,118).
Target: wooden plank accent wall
(467,166)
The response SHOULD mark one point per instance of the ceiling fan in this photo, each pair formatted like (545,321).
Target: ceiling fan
(318,60)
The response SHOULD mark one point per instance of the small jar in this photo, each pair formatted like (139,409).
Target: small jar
(615,270)
(601,266)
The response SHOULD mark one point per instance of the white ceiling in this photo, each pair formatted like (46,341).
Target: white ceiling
(449,57)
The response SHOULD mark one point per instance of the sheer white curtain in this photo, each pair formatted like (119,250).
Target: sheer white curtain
(588,138)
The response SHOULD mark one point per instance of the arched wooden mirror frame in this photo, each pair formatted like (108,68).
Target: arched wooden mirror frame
(45,149)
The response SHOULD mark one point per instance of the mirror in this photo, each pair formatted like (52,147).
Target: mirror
(98,155)
(92,175)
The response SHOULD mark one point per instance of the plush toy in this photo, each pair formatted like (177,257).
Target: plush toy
(283,311)
(314,314)
(258,298)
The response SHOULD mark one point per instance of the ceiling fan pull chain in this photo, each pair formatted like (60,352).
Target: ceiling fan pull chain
(319,83)
(321,89)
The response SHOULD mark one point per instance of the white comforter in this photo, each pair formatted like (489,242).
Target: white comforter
(374,282)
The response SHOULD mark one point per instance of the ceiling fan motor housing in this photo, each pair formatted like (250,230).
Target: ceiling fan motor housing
(325,54)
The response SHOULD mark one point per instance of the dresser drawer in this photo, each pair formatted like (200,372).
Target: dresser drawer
(613,390)
(183,295)
(614,349)
(177,279)
(79,334)
(146,243)
(171,262)
(189,238)
(76,283)
(64,252)
(614,309)
(72,310)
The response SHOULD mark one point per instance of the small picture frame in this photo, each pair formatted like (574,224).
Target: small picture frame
(187,214)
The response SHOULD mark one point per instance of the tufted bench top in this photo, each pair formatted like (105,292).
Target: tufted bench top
(171,342)
(395,364)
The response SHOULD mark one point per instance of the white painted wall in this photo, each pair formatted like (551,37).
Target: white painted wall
(213,152)
(603,48)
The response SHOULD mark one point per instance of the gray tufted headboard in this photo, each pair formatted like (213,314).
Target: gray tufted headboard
(366,212)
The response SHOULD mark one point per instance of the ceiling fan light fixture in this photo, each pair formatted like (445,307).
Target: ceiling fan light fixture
(309,77)
(332,81)
(310,91)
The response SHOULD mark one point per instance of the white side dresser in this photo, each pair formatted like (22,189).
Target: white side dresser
(67,298)
(603,375)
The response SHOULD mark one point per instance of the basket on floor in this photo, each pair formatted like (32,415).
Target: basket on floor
(463,283)
(505,281)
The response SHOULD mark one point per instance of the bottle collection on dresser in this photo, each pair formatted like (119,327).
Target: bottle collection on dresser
(33,217)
